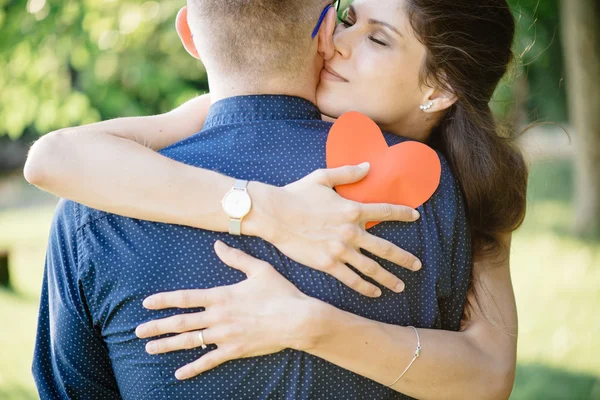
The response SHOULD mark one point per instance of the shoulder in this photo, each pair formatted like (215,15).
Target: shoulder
(448,198)
(448,181)
(65,215)
(73,216)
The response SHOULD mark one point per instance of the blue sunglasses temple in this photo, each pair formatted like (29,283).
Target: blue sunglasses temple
(321,18)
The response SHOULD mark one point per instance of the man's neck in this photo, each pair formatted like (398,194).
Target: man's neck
(221,88)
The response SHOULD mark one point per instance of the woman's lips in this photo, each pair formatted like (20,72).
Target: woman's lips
(330,75)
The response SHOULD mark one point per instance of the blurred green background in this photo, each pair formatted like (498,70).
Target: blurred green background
(65,63)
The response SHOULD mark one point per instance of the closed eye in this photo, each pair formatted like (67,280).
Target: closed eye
(348,23)
(379,42)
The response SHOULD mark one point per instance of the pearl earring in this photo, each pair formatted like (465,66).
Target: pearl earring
(427,106)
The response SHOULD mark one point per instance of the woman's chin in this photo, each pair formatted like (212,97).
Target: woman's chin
(327,104)
(329,112)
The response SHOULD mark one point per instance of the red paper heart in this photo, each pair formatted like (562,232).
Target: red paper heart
(407,173)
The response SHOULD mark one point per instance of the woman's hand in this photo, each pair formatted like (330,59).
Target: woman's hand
(261,315)
(318,228)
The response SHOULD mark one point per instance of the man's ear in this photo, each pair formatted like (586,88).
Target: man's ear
(325,37)
(184,32)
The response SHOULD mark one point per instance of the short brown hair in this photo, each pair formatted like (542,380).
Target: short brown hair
(257,36)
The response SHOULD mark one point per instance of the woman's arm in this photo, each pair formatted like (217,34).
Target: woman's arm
(477,363)
(113,166)
(266,313)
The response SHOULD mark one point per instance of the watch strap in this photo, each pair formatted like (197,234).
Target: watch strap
(240,184)
(235,226)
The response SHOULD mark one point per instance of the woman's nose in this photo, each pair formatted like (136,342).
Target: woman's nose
(342,41)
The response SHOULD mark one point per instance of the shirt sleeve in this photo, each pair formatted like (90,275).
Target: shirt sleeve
(460,265)
(71,360)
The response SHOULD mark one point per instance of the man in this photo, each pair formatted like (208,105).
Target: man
(101,266)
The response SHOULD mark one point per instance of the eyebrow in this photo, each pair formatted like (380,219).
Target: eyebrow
(377,22)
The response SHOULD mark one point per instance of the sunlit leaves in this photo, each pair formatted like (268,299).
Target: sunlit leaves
(70,62)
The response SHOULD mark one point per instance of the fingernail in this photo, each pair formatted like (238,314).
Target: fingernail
(377,292)
(139,331)
(220,245)
(179,375)
(151,348)
(148,302)
(416,214)
(417,265)
(399,287)
(364,165)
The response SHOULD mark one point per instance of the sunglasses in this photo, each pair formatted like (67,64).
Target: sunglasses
(334,4)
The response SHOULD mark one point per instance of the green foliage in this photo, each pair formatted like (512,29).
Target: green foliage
(72,62)
(538,64)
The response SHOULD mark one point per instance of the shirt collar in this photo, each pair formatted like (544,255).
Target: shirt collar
(260,108)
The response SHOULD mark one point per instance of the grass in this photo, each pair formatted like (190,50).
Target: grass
(16,340)
(556,280)
(24,233)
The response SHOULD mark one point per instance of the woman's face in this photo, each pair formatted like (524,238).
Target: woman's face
(379,61)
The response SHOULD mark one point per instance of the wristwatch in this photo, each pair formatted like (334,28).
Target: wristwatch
(237,204)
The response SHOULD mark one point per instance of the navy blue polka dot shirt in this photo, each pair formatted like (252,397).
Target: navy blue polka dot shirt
(100,266)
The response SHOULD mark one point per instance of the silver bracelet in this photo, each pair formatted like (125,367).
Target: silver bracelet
(417,354)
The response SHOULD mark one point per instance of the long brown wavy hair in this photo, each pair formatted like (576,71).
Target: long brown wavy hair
(469,50)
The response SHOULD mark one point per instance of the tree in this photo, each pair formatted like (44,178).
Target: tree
(535,83)
(581,42)
(72,62)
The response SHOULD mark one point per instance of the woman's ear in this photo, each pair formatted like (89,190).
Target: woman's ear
(325,37)
(436,100)
(184,32)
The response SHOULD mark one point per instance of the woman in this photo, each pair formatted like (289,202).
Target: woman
(451,53)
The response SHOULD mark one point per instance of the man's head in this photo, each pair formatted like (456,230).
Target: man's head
(257,40)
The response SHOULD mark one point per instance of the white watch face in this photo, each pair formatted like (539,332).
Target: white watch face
(237,203)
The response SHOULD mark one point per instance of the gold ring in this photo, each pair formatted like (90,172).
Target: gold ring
(201,340)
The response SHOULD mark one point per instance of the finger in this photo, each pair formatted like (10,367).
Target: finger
(175,324)
(344,274)
(373,270)
(379,212)
(190,298)
(184,341)
(343,175)
(388,251)
(207,362)
(238,259)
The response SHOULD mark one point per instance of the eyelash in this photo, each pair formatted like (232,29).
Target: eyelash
(348,24)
